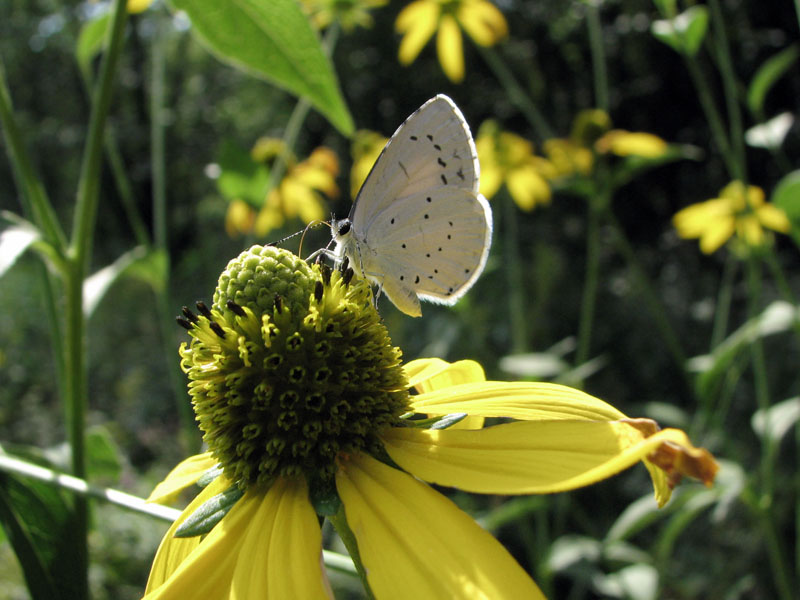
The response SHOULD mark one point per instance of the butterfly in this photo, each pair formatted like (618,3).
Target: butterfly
(419,228)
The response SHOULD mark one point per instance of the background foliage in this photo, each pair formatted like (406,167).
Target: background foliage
(740,541)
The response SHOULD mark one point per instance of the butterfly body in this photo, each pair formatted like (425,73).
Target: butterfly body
(418,227)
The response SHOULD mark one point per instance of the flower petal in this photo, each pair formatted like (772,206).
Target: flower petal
(172,551)
(533,457)
(527,187)
(418,22)
(247,554)
(185,474)
(518,400)
(449,47)
(415,543)
(773,217)
(484,23)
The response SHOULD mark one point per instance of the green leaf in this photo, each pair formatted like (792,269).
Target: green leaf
(103,455)
(14,240)
(686,32)
(38,522)
(141,262)
(241,178)
(766,76)
(786,195)
(209,513)
(273,40)
(90,41)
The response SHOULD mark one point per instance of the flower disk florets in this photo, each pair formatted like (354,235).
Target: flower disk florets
(289,368)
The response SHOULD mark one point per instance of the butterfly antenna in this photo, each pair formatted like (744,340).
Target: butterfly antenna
(288,237)
(312,224)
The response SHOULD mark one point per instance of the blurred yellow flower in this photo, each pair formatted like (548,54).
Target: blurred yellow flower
(365,150)
(739,210)
(508,158)
(568,157)
(418,21)
(137,6)
(299,193)
(631,143)
(348,13)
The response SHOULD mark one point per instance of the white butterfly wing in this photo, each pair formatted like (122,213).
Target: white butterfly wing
(431,149)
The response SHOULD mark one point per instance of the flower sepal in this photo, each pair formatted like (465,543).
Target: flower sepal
(208,514)
(324,497)
(436,422)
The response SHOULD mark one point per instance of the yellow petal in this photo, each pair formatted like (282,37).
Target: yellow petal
(637,143)
(418,21)
(693,220)
(774,218)
(449,48)
(247,555)
(491,178)
(518,400)
(749,229)
(137,6)
(239,218)
(716,235)
(415,543)
(483,22)
(527,188)
(462,371)
(185,474)
(532,457)
(173,551)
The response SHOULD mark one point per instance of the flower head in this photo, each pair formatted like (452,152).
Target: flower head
(508,158)
(418,21)
(307,411)
(739,210)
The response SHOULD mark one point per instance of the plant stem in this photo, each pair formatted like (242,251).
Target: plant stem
(77,263)
(599,70)
(339,522)
(34,197)
(730,86)
(724,297)
(516,94)
(514,280)
(591,278)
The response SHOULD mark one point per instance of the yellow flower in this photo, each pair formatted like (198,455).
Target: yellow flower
(365,150)
(631,143)
(508,158)
(418,21)
(348,13)
(137,6)
(301,399)
(299,193)
(568,157)
(738,210)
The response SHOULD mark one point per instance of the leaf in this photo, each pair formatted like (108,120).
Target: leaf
(15,239)
(770,134)
(209,513)
(777,420)
(142,263)
(102,455)
(634,582)
(786,195)
(241,178)
(90,41)
(766,76)
(39,524)
(684,33)
(272,40)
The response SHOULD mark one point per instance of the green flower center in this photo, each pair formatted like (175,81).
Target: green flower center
(291,367)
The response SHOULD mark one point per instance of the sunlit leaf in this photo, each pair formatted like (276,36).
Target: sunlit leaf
(771,133)
(777,420)
(210,513)
(103,456)
(90,41)
(147,265)
(273,40)
(686,32)
(241,178)
(14,240)
(786,195)
(766,76)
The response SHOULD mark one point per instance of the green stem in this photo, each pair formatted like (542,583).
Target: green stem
(654,305)
(77,263)
(599,70)
(730,85)
(760,375)
(516,94)
(591,279)
(724,297)
(34,197)
(339,522)
(513,269)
